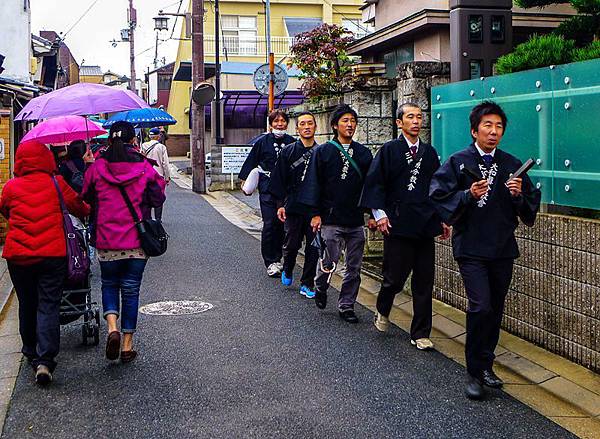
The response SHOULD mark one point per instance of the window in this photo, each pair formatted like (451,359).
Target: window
(498,29)
(396,57)
(357,27)
(475,29)
(239,34)
(164,82)
(476,67)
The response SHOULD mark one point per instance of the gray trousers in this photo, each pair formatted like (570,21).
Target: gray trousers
(336,239)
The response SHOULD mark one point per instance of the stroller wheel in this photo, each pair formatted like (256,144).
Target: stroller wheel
(96,331)
(84,334)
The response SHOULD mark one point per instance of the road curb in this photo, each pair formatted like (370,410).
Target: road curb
(565,392)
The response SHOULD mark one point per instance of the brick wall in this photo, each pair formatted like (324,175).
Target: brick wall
(5,174)
(554,299)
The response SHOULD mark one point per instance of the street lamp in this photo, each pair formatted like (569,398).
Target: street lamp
(161,22)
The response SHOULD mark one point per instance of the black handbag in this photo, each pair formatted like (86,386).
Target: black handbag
(151,232)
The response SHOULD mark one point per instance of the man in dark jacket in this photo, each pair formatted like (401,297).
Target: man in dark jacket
(397,189)
(332,187)
(475,192)
(285,185)
(263,155)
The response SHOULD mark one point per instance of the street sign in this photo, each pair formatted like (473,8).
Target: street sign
(233,157)
(261,79)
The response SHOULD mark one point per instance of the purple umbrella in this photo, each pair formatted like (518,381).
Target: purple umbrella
(80,100)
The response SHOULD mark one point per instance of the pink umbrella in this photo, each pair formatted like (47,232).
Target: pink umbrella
(80,100)
(64,129)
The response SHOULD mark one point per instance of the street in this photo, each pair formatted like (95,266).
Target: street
(264,362)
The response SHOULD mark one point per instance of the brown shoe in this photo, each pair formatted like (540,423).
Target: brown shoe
(128,356)
(113,345)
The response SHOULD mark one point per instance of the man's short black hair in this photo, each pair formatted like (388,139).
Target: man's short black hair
(484,109)
(339,111)
(402,108)
(305,113)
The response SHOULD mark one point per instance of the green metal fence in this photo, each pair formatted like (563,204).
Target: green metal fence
(553,117)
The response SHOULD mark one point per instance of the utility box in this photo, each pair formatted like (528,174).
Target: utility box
(480,32)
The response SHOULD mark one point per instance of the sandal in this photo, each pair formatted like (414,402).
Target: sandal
(128,356)
(113,345)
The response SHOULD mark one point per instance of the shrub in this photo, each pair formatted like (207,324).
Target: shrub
(591,51)
(539,51)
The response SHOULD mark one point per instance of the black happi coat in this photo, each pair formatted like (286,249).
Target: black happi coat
(333,187)
(399,185)
(483,229)
(287,176)
(264,153)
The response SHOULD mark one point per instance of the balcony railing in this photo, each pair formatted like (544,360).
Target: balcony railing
(247,46)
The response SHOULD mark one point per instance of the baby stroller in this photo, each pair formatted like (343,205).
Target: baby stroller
(77,299)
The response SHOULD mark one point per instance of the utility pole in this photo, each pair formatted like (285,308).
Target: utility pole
(132,23)
(197,135)
(217,106)
(271,58)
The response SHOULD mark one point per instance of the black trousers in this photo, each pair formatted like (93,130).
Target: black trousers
(400,257)
(297,228)
(272,232)
(39,289)
(486,285)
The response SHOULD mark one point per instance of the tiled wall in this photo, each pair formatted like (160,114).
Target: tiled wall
(5,129)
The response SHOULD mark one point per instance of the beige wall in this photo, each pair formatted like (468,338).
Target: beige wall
(392,11)
(433,46)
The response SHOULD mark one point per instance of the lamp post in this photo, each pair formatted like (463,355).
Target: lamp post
(198,129)
(217,102)
(271,57)
(132,24)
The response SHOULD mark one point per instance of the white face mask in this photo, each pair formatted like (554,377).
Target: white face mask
(279,133)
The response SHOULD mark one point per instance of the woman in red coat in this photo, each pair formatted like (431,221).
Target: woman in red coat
(36,250)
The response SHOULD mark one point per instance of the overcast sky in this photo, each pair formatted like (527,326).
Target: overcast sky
(90,38)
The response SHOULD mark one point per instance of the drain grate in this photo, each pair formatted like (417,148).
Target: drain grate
(175,308)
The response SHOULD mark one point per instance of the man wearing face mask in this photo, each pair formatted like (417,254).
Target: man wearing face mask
(263,155)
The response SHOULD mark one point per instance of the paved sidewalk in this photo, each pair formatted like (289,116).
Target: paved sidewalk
(264,362)
(559,389)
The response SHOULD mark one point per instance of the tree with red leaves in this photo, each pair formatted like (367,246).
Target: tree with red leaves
(321,56)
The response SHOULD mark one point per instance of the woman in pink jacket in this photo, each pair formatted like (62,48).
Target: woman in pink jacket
(122,260)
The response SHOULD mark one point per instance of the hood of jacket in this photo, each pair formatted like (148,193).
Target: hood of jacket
(34,157)
(120,173)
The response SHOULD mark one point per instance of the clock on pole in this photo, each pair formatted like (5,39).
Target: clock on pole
(261,79)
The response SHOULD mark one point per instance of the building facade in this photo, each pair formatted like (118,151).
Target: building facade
(243,49)
(91,74)
(419,30)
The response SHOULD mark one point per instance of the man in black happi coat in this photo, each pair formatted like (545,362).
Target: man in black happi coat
(264,154)
(485,212)
(397,189)
(286,180)
(332,186)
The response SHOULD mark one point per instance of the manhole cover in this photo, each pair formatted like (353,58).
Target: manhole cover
(175,308)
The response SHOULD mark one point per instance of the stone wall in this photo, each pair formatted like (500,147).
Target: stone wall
(554,298)
(375,107)
(415,80)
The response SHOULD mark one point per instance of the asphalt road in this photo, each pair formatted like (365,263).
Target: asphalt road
(264,362)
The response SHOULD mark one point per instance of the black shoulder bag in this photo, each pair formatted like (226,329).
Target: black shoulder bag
(151,232)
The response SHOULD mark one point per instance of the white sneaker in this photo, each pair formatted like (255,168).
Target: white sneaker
(42,375)
(274,270)
(422,344)
(381,322)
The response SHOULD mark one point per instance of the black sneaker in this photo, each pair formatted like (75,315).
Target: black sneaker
(348,315)
(320,299)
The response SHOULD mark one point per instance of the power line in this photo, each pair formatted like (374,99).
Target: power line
(345,16)
(80,18)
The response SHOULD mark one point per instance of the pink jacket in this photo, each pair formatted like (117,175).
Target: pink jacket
(113,225)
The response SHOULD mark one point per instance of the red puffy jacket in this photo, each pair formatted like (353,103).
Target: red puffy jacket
(30,203)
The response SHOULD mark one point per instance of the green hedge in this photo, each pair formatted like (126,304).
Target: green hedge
(539,51)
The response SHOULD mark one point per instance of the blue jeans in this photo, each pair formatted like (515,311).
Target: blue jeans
(125,277)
